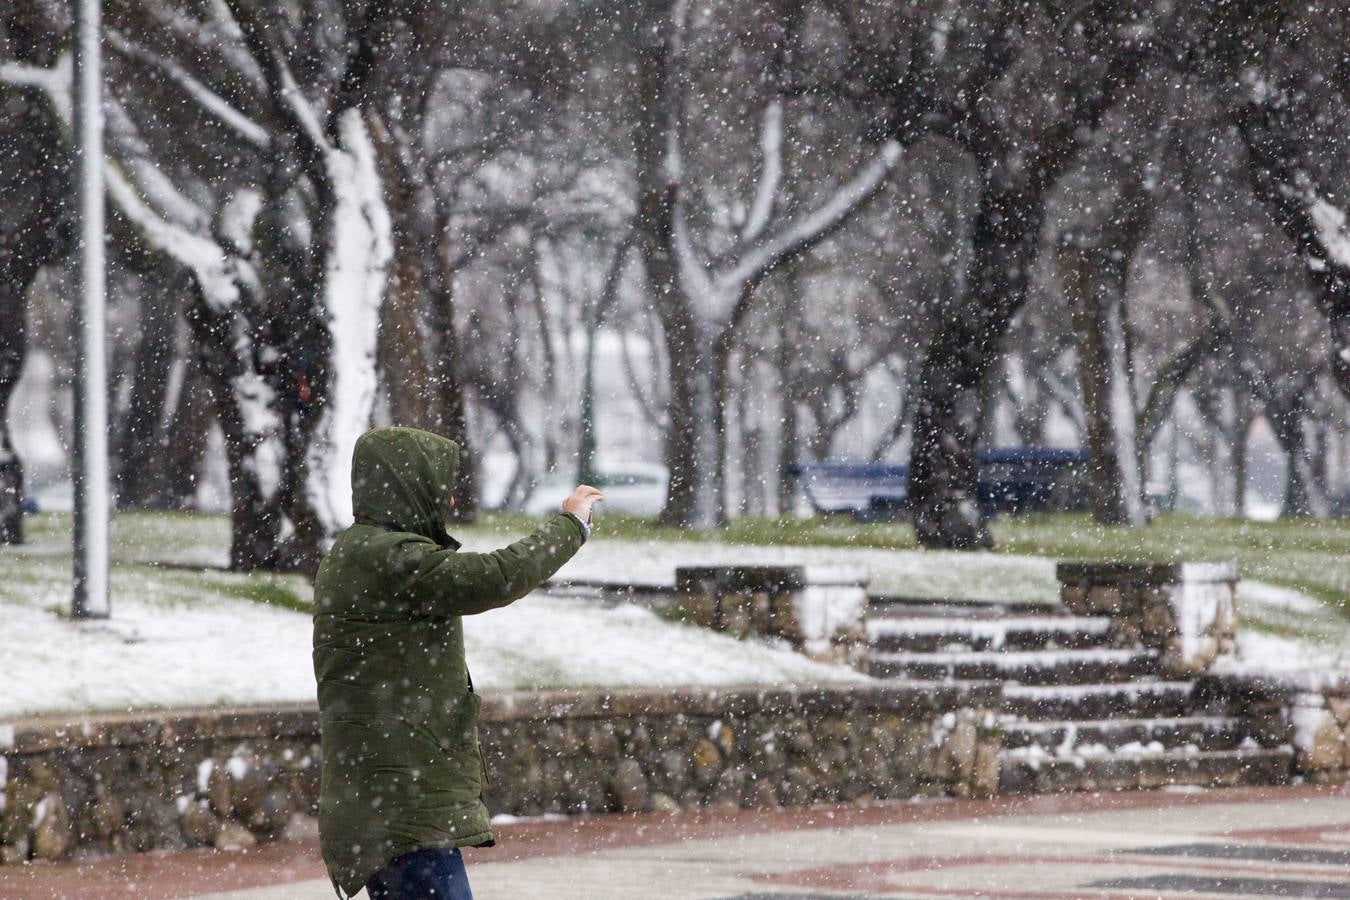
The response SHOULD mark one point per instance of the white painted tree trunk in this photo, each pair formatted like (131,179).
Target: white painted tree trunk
(357,258)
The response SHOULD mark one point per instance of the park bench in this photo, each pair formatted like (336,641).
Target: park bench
(1012,480)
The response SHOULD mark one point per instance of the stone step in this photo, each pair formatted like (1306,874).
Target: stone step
(931,633)
(1141,698)
(881,605)
(1025,771)
(1202,732)
(1041,667)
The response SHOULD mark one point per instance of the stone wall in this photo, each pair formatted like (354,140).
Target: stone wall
(1310,711)
(820,610)
(1185,611)
(126,783)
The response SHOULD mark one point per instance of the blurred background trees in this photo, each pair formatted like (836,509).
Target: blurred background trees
(697,243)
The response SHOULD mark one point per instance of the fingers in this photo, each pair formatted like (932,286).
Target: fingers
(586,492)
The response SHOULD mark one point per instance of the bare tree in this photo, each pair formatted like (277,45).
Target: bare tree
(703,295)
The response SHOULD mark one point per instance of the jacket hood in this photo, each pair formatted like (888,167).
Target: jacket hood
(402,479)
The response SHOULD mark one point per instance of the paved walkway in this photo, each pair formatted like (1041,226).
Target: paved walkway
(1292,842)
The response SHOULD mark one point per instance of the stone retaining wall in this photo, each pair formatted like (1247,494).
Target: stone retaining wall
(125,783)
(1185,611)
(1309,711)
(820,610)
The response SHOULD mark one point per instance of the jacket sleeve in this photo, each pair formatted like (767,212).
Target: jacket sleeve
(451,583)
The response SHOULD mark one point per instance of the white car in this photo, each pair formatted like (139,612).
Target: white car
(636,487)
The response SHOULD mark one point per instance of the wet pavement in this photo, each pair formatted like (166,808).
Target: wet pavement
(1242,842)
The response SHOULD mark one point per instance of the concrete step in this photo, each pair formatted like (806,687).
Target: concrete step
(881,605)
(926,634)
(1024,771)
(1039,667)
(1141,698)
(1201,732)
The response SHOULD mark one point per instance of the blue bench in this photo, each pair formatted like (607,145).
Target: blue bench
(1012,480)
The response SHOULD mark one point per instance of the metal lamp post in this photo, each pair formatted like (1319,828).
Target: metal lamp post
(90,458)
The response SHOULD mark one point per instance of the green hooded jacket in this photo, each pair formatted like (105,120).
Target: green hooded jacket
(402,770)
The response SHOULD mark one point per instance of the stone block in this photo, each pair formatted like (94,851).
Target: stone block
(1104,599)
(234,837)
(1319,743)
(1074,596)
(1156,615)
(664,803)
(984,778)
(1186,610)
(199,823)
(629,786)
(707,762)
(52,837)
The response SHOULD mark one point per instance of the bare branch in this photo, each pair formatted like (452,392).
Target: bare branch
(208,99)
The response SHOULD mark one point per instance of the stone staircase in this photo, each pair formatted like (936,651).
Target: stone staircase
(1079,710)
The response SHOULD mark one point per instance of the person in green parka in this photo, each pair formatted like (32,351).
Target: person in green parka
(403,774)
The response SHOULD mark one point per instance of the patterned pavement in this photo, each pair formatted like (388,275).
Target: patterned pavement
(1243,842)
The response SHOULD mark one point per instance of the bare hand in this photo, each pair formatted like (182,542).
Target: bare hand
(581,501)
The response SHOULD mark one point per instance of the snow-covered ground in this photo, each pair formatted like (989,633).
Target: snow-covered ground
(184,636)
(911,573)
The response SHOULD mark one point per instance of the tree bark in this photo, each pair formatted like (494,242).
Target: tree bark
(143,450)
(1318,227)
(16,274)
(1094,276)
(944,473)
(35,182)
(1303,497)
(186,442)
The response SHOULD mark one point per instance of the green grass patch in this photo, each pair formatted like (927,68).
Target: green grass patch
(1312,556)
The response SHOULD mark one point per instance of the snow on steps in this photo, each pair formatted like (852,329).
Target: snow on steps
(928,633)
(880,605)
(1027,771)
(1078,713)
(1038,667)
(1144,697)
(1066,738)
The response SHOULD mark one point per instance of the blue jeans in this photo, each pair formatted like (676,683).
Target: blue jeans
(422,874)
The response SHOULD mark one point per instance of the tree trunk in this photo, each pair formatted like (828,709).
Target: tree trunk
(356,247)
(13,349)
(35,182)
(185,443)
(692,441)
(1095,286)
(254,452)
(403,359)
(1302,496)
(787,400)
(452,418)
(1242,422)
(1307,212)
(142,438)
(586,442)
(944,473)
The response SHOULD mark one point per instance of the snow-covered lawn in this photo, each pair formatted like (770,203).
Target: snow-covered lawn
(186,636)
(909,573)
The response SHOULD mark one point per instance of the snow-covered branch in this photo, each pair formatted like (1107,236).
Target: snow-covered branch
(287,98)
(677,82)
(206,98)
(54,82)
(1329,227)
(760,256)
(692,272)
(129,187)
(770,171)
